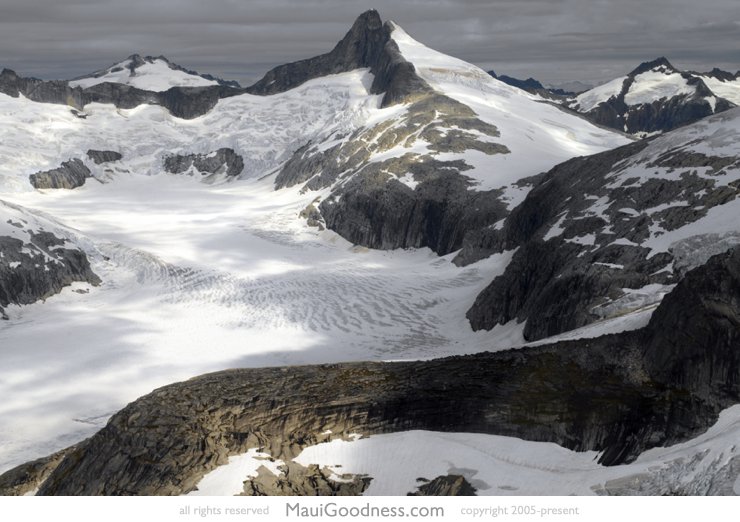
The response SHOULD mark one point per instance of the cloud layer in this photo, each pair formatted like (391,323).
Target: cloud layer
(552,40)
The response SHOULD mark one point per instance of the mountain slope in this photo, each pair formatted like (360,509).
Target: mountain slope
(610,233)
(657,97)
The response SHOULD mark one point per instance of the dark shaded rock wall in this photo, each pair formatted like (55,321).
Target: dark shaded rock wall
(36,270)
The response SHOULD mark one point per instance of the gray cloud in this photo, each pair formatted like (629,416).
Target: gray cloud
(552,40)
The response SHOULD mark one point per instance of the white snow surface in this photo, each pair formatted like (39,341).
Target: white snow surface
(524,121)
(657,84)
(229,478)
(155,75)
(498,465)
(729,90)
(199,278)
(593,97)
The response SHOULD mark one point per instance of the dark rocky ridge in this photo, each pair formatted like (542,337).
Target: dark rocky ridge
(182,102)
(569,279)
(532,86)
(618,394)
(71,174)
(660,115)
(221,161)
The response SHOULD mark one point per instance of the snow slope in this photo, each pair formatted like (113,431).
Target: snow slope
(523,120)
(155,74)
(727,89)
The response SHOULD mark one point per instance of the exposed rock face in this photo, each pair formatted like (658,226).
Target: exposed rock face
(38,268)
(57,92)
(303,481)
(378,212)
(659,114)
(367,44)
(446,486)
(433,207)
(27,478)
(581,234)
(615,394)
(103,156)
(222,161)
(71,174)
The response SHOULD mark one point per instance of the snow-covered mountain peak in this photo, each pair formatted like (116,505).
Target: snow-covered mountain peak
(660,64)
(656,97)
(148,73)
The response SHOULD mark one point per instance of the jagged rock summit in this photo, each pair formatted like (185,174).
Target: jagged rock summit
(368,44)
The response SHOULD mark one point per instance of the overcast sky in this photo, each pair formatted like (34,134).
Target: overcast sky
(552,40)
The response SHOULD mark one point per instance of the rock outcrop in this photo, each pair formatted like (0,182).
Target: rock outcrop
(445,486)
(297,480)
(35,264)
(103,156)
(71,174)
(618,394)
(222,161)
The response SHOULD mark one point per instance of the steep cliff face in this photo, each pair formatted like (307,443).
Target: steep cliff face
(618,394)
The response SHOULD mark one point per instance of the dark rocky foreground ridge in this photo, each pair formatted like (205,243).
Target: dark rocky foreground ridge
(618,394)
